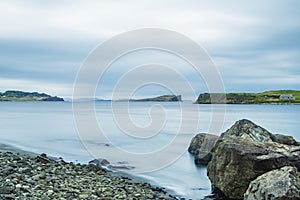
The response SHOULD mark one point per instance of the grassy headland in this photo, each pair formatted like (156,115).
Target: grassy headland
(272,96)
(27,96)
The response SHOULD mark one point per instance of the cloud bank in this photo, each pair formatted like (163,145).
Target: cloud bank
(255,44)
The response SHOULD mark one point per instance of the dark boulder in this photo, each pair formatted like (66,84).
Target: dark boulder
(244,152)
(201,147)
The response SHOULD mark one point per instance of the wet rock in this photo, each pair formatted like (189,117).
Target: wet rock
(278,184)
(122,165)
(244,152)
(201,147)
(43,158)
(100,161)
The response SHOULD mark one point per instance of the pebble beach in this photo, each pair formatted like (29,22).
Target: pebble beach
(26,176)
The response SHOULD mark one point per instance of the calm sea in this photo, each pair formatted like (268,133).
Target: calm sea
(49,127)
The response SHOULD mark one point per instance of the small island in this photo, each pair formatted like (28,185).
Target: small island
(268,97)
(163,98)
(13,95)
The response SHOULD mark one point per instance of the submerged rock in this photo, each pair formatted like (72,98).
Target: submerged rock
(201,146)
(278,184)
(123,165)
(244,152)
(100,161)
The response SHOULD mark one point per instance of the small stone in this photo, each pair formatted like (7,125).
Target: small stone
(43,181)
(43,158)
(42,175)
(36,177)
(25,170)
(83,196)
(149,196)
(50,192)
(25,187)
(101,172)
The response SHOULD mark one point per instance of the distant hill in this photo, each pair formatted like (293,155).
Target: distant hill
(164,98)
(27,96)
(273,96)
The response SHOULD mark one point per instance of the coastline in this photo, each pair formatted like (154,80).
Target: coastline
(247,103)
(28,175)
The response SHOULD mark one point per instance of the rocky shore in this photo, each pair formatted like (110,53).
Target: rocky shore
(248,162)
(25,176)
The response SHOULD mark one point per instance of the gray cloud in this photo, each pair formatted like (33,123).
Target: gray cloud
(255,44)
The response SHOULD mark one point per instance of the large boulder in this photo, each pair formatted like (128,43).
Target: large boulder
(244,152)
(279,184)
(201,147)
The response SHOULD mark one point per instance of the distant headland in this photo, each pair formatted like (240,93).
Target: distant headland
(268,97)
(13,95)
(163,98)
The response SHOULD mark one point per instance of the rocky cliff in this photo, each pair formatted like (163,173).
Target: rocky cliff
(249,98)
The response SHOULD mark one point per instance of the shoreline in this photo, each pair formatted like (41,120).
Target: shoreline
(247,103)
(28,175)
(169,192)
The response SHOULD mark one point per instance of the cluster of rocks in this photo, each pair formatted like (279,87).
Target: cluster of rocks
(248,162)
(27,177)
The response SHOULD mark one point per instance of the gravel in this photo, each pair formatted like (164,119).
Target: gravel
(39,177)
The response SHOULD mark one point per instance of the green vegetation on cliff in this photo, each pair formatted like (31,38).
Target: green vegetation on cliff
(273,96)
(27,96)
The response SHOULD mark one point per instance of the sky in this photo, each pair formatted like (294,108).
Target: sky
(255,45)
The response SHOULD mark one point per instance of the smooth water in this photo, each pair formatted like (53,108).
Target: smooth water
(49,127)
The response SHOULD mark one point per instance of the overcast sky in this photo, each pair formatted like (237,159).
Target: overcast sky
(254,44)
